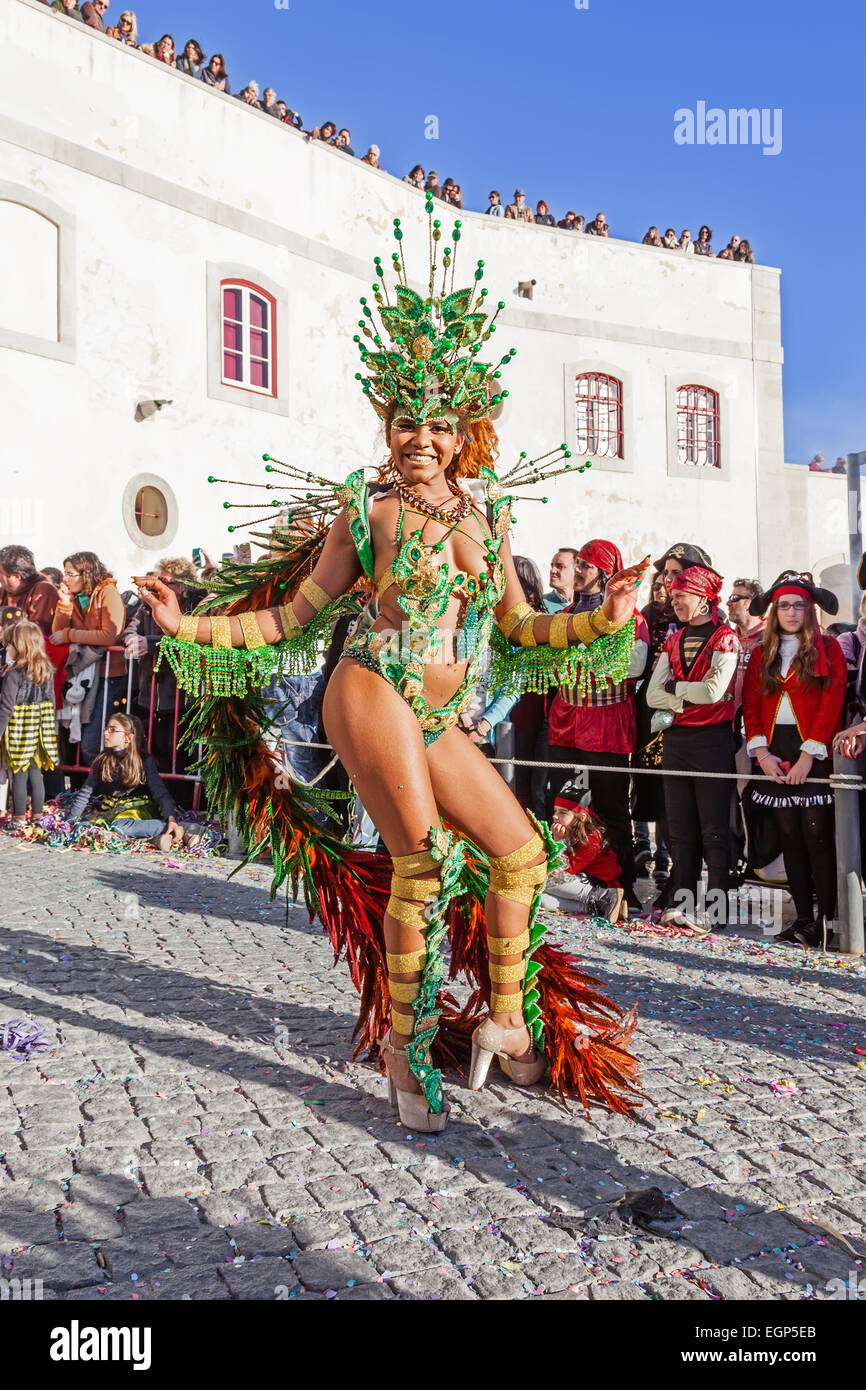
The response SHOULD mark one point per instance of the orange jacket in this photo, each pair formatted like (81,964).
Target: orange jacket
(100,626)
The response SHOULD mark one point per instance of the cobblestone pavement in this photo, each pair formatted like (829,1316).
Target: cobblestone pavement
(203,1132)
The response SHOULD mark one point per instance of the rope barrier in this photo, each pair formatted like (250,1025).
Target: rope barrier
(846,780)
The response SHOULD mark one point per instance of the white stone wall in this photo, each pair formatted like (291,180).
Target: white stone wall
(159,177)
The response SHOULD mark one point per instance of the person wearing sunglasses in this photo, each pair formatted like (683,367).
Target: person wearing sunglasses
(793,696)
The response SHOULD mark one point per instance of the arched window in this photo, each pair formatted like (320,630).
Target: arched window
(248,333)
(598,415)
(698,441)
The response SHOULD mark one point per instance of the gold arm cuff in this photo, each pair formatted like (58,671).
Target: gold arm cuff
(187,629)
(505,1003)
(416,889)
(559,631)
(410,913)
(601,625)
(508,622)
(407,962)
(584,632)
(404,994)
(520,856)
(385,582)
(288,621)
(508,945)
(519,885)
(526,635)
(252,632)
(221,632)
(419,863)
(314,594)
(507,974)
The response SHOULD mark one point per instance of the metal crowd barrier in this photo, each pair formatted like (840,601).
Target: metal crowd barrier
(845,782)
(172,775)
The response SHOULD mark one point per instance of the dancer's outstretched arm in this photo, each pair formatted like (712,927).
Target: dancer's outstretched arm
(336,571)
(524,627)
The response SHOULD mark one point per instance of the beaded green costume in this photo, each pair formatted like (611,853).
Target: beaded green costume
(427,369)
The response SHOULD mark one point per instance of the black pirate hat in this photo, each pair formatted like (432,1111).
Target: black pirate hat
(794,579)
(687,554)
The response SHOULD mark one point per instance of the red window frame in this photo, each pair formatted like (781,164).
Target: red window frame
(244,334)
(598,415)
(698,427)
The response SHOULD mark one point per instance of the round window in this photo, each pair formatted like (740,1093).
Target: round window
(151,511)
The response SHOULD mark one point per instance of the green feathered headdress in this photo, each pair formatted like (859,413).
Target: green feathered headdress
(422,356)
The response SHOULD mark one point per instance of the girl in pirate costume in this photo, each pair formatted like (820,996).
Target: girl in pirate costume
(464,857)
(793,697)
(693,680)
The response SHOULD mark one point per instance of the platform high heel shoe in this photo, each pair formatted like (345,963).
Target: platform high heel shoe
(411,1106)
(490,1040)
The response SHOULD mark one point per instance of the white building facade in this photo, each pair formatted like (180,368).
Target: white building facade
(165,243)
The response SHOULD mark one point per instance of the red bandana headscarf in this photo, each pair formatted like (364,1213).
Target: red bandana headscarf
(704,582)
(822,666)
(604,555)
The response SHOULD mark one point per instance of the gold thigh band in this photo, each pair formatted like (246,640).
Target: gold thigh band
(419,863)
(405,963)
(410,913)
(508,945)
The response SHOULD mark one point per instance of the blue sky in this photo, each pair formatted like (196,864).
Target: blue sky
(577,106)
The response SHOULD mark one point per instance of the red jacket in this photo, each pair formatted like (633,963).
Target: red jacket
(593,859)
(817,707)
(723,639)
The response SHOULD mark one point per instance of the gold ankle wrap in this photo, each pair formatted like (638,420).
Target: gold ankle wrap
(410,913)
(508,945)
(506,1003)
(520,856)
(405,865)
(405,963)
(404,993)
(417,889)
(508,974)
(519,885)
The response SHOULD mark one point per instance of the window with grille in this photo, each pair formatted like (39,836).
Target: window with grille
(698,427)
(248,348)
(598,415)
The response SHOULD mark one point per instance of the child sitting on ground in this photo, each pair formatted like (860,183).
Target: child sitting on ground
(126,791)
(28,731)
(588,885)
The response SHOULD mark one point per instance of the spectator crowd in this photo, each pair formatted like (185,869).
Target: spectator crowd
(755,685)
(193,61)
